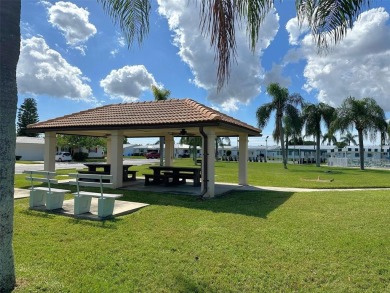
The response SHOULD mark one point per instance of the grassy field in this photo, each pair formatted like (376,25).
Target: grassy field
(336,241)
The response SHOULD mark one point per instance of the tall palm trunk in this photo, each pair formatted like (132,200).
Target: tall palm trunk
(361,148)
(318,150)
(282,143)
(9,56)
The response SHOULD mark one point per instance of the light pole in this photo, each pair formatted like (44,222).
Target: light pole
(266,149)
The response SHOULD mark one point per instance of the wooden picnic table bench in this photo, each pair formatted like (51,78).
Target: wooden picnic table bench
(52,198)
(82,199)
(93,169)
(173,175)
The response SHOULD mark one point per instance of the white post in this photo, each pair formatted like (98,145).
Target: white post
(243,160)
(169,144)
(50,151)
(116,158)
(108,154)
(210,152)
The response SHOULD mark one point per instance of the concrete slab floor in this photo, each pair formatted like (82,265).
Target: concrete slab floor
(121,208)
(185,189)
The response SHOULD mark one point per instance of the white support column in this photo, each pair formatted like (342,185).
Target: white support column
(108,154)
(210,158)
(169,145)
(50,151)
(116,158)
(243,160)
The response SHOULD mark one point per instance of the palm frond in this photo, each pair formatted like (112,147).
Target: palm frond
(263,114)
(329,20)
(132,16)
(219,19)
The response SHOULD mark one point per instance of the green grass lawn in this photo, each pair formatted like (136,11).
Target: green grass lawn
(330,241)
(303,176)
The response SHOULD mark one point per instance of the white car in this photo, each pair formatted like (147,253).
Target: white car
(63,156)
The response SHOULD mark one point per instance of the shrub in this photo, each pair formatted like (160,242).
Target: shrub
(80,156)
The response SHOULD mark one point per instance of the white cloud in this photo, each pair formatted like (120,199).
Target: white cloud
(194,49)
(73,22)
(121,42)
(295,31)
(358,66)
(275,75)
(127,83)
(43,71)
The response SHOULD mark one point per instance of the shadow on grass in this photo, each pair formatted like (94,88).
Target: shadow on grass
(109,223)
(38,214)
(185,284)
(249,203)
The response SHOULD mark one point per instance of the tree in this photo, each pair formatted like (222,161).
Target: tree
(160,94)
(365,115)
(193,141)
(220,142)
(349,138)
(313,115)
(330,138)
(76,141)
(282,103)
(133,19)
(328,21)
(9,56)
(28,114)
(292,128)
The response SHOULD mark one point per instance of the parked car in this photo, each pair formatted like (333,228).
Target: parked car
(63,156)
(152,155)
(185,155)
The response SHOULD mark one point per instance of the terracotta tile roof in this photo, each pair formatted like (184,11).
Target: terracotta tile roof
(172,111)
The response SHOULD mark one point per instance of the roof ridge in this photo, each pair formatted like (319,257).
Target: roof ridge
(204,110)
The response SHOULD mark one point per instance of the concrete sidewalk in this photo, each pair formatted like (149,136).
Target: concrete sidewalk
(21,193)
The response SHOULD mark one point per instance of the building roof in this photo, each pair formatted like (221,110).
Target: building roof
(172,113)
(26,139)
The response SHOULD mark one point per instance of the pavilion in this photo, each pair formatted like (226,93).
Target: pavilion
(169,118)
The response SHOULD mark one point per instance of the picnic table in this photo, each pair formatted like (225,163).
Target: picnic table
(92,169)
(178,175)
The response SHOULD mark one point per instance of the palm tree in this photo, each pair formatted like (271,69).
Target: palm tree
(193,141)
(133,19)
(365,115)
(282,103)
(9,56)
(160,94)
(313,115)
(328,20)
(292,129)
(221,142)
(329,136)
(349,138)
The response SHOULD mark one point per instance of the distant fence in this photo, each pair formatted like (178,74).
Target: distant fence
(347,162)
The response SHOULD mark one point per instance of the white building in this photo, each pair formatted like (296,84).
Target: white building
(30,148)
(349,156)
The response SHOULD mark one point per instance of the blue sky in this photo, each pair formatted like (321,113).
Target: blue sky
(73,58)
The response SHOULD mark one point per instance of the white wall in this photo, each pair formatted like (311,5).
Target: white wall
(30,151)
